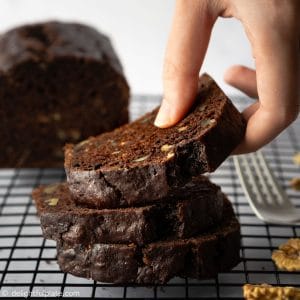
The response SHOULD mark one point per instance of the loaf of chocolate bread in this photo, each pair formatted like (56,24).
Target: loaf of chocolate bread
(195,209)
(139,161)
(59,82)
(200,257)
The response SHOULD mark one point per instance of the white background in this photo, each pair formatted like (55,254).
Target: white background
(139,30)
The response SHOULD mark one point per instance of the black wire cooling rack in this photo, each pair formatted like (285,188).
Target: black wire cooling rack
(28,262)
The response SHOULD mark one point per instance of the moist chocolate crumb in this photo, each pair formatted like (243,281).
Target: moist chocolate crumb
(139,161)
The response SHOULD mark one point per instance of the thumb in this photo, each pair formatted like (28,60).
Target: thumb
(186,48)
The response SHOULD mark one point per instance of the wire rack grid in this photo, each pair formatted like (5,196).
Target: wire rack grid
(28,262)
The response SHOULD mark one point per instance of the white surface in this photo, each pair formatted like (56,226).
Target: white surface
(139,30)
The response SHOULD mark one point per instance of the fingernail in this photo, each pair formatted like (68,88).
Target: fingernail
(163,117)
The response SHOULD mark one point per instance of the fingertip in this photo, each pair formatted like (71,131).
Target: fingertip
(171,112)
(167,115)
(162,119)
(232,73)
(242,78)
(179,95)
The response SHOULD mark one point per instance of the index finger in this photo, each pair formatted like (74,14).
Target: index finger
(186,48)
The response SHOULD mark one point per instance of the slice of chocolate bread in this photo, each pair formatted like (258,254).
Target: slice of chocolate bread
(200,257)
(182,215)
(141,162)
(59,82)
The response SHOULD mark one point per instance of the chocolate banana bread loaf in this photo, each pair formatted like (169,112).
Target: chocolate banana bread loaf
(193,211)
(139,161)
(59,82)
(200,257)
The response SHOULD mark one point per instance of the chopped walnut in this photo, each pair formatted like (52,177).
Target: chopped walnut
(295,183)
(115,152)
(287,257)
(50,188)
(81,144)
(207,122)
(52,201)
(296,159)
(202,107)
(72,133)
(183,128)
(61,134)
(142,158)
(75,134)
(166,148)
(269,292)
(146,120)
(170,155)
(56,116)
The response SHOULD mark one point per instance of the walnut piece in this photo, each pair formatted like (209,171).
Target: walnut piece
(183,128)
(146,120)
(142,158)
(74,134)
(82,143)
(115,152)
(52,201)
(296,159)
(61,134)
(269,292)
(50,188)
(207,122)
(56,116)
(287,257)
(166,148)
(202,107)
(71,133)
(170,155)
(295,183)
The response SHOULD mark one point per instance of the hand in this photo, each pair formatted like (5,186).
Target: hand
(273,29)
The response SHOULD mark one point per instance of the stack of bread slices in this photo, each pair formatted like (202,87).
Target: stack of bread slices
(136,207)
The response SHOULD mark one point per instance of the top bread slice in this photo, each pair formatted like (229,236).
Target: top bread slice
(140,162)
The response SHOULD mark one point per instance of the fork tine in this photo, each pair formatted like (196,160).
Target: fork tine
(247,187)
(280,193)
(251,176)
(271,199)
(282,211)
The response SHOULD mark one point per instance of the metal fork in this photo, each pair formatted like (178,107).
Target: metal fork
(266,197)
